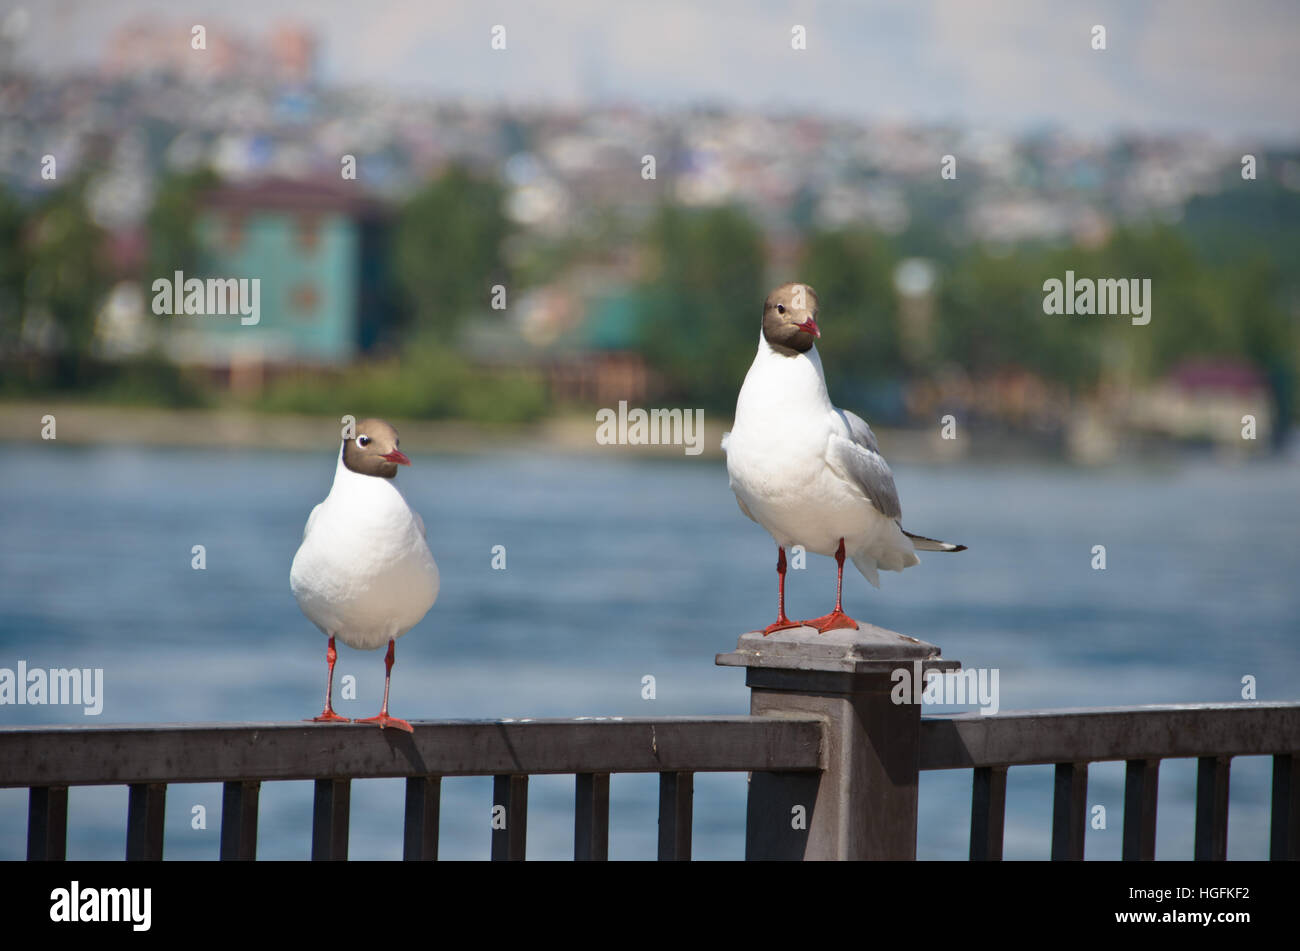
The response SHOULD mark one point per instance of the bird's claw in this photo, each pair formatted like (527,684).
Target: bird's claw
(830,622)
(384,720)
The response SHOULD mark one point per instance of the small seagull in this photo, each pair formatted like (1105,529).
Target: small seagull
(364,572)
(809,472)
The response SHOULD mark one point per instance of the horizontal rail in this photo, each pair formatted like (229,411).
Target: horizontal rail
(247,752)
(1096,734)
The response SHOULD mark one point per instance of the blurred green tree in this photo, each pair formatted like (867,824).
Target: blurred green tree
(704,301)
(852,272)
(13,269)
(172,224)
(448,248)
(67,276)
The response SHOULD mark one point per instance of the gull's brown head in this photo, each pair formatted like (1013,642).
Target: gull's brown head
(373,450)
(789,318)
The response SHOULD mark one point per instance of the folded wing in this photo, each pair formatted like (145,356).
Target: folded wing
(853,455)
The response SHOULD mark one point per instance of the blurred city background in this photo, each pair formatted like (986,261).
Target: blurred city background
(526,168)
(237,160)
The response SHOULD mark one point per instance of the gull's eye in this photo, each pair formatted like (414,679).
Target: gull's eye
(363,441)
(780,308)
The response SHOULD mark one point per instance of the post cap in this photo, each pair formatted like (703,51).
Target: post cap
(869,649)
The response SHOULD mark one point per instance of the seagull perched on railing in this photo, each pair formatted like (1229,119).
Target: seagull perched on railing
(809,472)
(364,572)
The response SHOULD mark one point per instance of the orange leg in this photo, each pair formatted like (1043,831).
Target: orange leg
(328,715)
(384,719)
(837,618)
(782,622)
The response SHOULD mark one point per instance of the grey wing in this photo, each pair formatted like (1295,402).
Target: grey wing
(853,454)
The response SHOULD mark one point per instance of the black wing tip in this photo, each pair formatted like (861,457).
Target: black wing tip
(948,546)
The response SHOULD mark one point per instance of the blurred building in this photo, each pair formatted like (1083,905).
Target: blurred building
(581,333)
(1208,400)
(318,250)
(148,46)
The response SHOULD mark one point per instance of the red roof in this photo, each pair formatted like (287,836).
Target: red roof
(1217,375)
(288,194)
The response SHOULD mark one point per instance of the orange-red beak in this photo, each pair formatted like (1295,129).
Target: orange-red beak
(398,457)
(810,326)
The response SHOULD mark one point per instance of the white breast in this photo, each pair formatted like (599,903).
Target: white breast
(777,464)
(364,572)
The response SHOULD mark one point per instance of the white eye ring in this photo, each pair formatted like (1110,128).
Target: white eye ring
(363,441)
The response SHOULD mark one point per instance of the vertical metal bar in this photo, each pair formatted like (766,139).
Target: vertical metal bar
(1212,808)
(591,818)
(239,820)
(1285,838)
(47,823)
(423,801)
(1069,812)
(1141,785)
(676,799)
(329,832)
(988,809)
(509,818)
(145,813)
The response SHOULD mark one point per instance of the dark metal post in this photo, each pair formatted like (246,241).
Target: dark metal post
(47,823)
(1285,834)
(676,815)
(863,684)
(591,817)
(145,811)
(423,804)
(239,820)
(1069,812)
(330,813)
(1141,785)
(510,805)
(988,812)
(1211,843)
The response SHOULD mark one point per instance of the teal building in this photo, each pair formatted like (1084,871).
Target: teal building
(318,253)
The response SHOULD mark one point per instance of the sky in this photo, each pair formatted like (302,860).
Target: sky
(1226,69)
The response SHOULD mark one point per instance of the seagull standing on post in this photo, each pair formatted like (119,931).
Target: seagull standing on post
(364,572)
(809,472)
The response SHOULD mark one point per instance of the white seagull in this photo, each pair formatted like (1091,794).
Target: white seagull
(364,572)
(809,472)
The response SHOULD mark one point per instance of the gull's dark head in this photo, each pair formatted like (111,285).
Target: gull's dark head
(789,318)
(373,450)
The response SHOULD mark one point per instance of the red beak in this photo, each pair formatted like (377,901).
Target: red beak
(810,326)
(398,457)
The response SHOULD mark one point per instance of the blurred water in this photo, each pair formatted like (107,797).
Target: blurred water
(617,568)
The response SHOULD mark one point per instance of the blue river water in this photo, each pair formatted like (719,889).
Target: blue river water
(619,567)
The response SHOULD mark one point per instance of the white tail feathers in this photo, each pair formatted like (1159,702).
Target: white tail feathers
(867,565)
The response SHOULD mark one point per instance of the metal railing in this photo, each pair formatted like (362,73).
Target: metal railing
(833,757)
(242,756)
(1142,737)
